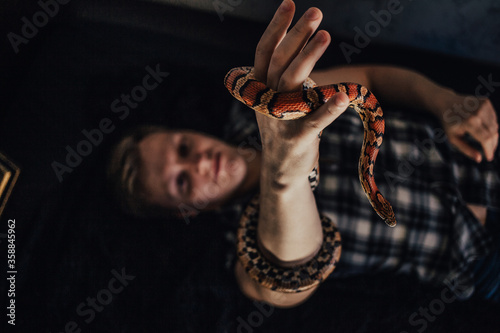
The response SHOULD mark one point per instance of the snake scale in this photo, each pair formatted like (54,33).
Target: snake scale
(293,105)
(243,85)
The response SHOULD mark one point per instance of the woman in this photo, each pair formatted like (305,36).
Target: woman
(441,228)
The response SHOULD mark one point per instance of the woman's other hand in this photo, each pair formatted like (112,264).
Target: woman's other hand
(480,122)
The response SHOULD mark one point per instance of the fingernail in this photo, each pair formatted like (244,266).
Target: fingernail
(312,14)
(320,37)
(338,101)
(285,6)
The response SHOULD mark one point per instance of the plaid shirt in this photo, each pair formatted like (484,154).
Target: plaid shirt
(423,177)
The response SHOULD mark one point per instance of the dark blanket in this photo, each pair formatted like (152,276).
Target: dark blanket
(84,265)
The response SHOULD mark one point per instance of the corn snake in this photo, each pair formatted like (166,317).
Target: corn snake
(242,85)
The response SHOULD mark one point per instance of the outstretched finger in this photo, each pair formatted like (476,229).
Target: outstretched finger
(486,113)
(292,45)
(274,34)
(302,66)
(466,149)
(482,134)
(490,146)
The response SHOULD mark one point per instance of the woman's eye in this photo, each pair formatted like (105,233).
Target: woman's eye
(183,150)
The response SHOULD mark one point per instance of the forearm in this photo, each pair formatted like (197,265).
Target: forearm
(289,225)
(289,232)
(395,85)
(409,88)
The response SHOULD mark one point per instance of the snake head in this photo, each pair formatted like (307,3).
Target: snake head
(391,222)
(389,217)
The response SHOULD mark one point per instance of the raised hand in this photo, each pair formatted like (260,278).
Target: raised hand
(283,61)
(481,124)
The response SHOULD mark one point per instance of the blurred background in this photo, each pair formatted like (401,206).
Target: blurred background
(64,63)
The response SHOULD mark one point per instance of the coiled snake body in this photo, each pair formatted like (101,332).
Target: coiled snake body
(242,84)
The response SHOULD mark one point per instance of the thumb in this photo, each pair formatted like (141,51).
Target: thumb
(328,112)
(466,149)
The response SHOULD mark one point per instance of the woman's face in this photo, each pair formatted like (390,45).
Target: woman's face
(184,167)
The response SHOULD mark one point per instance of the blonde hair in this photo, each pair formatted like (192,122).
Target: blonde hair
(123,172)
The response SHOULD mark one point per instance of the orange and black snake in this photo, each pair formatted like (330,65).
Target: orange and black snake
(242,84)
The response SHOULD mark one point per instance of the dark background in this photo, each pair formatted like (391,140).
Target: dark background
(70,235)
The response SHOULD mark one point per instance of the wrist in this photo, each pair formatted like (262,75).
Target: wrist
(442,102)
(280,177)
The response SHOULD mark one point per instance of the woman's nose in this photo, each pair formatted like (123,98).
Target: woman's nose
(203,163)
